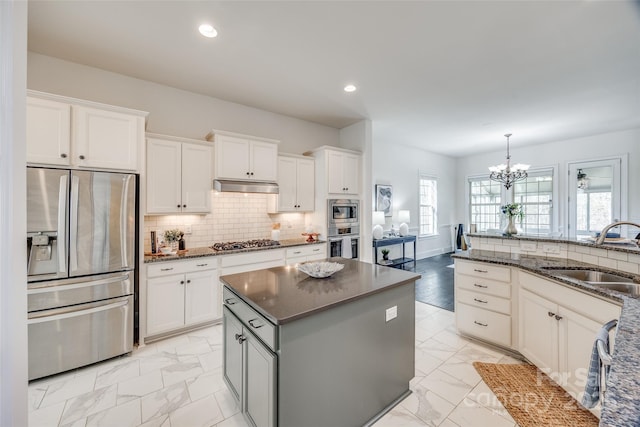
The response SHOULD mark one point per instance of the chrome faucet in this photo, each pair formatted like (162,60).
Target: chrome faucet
(603,233)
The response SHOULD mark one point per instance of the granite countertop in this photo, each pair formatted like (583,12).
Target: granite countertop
(207,251)
(622,402)
(284,294)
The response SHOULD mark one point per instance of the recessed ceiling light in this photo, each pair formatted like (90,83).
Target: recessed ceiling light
(350,88)
(207,30)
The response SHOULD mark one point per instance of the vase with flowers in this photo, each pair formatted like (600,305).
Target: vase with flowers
(512,210)
(171,238)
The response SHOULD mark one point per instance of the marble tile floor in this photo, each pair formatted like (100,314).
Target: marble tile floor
(178,382)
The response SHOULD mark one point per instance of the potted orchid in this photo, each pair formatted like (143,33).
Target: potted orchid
(512,210)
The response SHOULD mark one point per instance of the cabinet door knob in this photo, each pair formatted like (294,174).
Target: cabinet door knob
(240,338)
(184,206)
(558,317)
(63,155)
(188,280)
(247,173)
(178,206)
(251,173)
(81,157)
(551,314)
(182,282)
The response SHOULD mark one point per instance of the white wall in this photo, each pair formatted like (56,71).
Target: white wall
(400,166)
(559,153)
(174,111)
(13,262)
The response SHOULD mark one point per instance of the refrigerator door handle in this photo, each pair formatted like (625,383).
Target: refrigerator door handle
(61,239)
(59,286)
(124,221)
(74,312)
(73,229)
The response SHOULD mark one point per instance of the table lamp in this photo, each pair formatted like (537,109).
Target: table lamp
(378,222)
(404,218)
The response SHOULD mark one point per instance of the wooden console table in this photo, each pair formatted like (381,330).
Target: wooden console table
(388,241)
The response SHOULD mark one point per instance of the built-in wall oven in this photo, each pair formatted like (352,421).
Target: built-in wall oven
(343,227)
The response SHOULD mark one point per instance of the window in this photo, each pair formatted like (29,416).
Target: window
(428,205)
(485,199)
(535,194)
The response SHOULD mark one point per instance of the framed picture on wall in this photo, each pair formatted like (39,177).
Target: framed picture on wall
(384,199)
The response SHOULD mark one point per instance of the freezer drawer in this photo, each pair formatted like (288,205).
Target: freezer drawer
(62,293)
(71,337)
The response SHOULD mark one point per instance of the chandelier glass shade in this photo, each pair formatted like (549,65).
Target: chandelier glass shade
(507,174)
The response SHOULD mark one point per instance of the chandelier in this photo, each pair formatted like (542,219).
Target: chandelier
(505,174)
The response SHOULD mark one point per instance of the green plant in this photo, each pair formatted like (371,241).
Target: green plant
(385,253)
(513,210)
(173,235)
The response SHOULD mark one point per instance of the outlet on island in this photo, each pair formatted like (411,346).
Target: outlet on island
(391,313)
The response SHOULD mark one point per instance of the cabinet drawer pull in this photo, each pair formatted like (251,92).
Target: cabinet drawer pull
(316,250)
(230,301)
(254,325)
(166,269)
(480,324)
(202,265)
(479,300)
(480,286)
(297,252)
(551,314)
(480,271)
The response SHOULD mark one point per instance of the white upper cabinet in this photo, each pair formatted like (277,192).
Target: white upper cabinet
(178,175)
(106,139)
(244,158)
(69,132)
(296,182)
(338,171)
(48,132)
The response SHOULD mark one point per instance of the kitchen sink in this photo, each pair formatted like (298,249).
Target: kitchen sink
(626,288)
(591,276)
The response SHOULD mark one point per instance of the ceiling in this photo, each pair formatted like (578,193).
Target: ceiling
(448,76)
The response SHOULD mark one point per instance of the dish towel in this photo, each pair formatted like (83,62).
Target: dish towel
(594,376)
(346,248)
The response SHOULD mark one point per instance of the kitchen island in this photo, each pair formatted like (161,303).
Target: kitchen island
(303,352)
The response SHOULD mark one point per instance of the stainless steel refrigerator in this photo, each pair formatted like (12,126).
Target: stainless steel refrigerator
(81,228)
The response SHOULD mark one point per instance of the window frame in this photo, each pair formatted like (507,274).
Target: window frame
(430,177)
(507,196)
(533,173)
(468,186)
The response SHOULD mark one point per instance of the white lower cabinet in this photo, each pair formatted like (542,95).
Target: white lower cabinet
(300,254)
(483,301)
(181,294)
(557,329)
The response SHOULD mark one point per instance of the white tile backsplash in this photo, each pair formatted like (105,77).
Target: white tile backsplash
(234,216)
(602,257)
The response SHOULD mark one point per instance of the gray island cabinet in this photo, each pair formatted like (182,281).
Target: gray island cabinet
(305,352)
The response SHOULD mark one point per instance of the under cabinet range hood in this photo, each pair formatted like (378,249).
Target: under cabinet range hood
(230,186)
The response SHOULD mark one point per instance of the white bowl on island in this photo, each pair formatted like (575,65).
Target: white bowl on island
(320,270)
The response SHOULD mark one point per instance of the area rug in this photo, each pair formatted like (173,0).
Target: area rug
(532,398)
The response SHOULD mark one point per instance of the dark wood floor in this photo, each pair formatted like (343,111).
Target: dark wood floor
(436,285)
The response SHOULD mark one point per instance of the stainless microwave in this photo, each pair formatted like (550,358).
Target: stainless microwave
(343,217)
(343,211)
